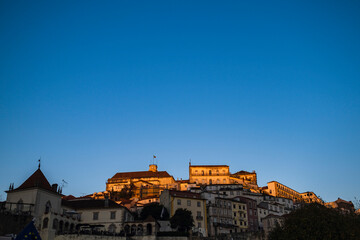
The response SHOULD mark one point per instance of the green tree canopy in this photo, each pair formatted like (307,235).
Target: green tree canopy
(314,221)
(156,210)
(182,220)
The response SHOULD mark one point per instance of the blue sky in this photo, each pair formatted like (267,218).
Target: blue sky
(96,88)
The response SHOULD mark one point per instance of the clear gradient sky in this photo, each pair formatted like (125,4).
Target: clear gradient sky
(98,87)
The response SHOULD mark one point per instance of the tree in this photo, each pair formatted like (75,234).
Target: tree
(182,220)
(314,221)
(156,210)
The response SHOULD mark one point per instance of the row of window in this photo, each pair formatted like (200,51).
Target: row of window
(188,203)
(240,207)
(96,215)
(203,181)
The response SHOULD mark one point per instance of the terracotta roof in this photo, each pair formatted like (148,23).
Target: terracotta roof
(182,181)
(209,166)
(142,174)
(68,197)
(77,204)
(184,194)
(243,172)
(37,179)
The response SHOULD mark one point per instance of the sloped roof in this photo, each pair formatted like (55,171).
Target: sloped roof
(242,172)
(209,166)
(142,174)
(37,179)
(184,194)
(77,204)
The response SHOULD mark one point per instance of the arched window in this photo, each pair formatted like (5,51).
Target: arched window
(210,181)
(127,229)
(148,229)
(202,172)
(140,230)
(47,207)
(45,222)
(61,226)
(209,172)
(55,224)
(71,228)
(112,228)
(66,228)
(133,229)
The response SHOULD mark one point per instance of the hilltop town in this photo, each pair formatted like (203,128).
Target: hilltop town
(221,203)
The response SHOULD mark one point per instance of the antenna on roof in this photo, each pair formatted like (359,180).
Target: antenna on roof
(39,162)
(63,183)
(189,161)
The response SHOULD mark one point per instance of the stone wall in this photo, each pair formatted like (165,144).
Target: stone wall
(94,237)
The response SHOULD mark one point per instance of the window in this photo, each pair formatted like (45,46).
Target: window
(95,215)
(112,215)
(20,205)
(45,222)
(198,213)
(189,202)
(55,223)
(199,204)
(199,224)
(179,202)
(234,214)
(209,172)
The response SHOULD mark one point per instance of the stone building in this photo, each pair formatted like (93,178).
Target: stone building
(173,200)
(310,197)
(209,174)
(142,184)
(342,205)
(240,217)
(245,178)
(252,212)
(280,190)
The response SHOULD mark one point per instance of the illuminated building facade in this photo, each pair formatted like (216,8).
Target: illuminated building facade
(209,174)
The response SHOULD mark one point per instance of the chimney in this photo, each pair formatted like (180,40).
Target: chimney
(106,201)
(54,187)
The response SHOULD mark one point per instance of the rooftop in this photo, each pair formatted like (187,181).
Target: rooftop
(80,203)
(141,174)
(184,194)
(209,166)
(36,180)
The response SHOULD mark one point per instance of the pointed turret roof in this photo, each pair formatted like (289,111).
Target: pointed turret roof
(37,179)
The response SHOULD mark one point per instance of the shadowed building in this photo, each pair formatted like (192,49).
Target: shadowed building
(173,200)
